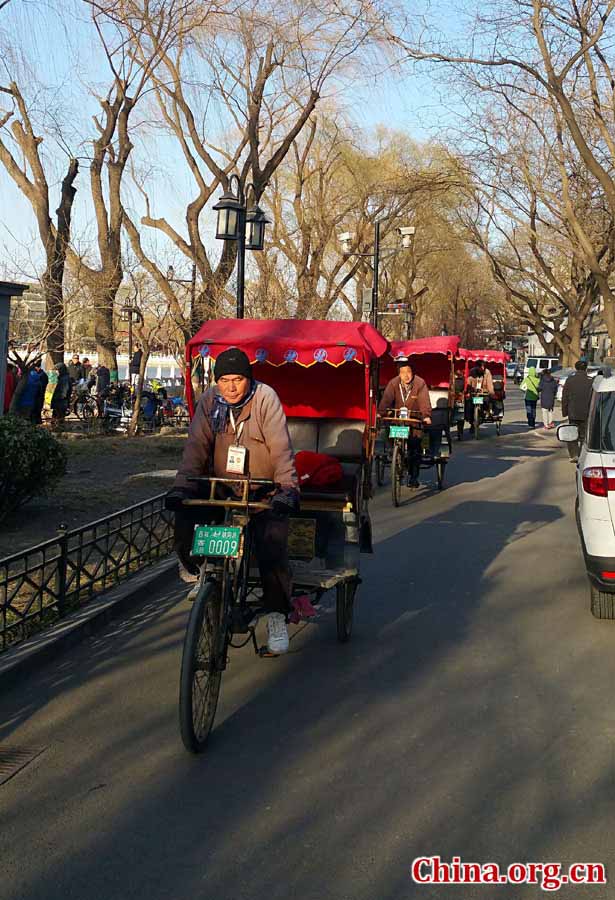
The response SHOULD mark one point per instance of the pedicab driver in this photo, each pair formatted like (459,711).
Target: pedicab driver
(481,379)
(408,395)
(239,428)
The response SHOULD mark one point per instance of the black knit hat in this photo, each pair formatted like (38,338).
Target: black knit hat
(232,362)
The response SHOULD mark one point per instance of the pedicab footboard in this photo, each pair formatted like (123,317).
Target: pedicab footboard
(310,577)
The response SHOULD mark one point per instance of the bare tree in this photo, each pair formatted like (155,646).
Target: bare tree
(262,68)
(20,154)
(533,55)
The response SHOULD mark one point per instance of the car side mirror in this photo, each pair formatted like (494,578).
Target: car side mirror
(567,434)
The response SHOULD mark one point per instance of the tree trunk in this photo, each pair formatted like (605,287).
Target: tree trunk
(104,331)
(53,276)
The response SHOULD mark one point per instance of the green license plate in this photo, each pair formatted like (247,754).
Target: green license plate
(478,401)
(216,540)
(399,431)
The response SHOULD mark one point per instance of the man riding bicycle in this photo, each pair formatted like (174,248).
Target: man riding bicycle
(480,380)
(239,430)
(408,395)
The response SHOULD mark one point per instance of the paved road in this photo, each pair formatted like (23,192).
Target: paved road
(471,714)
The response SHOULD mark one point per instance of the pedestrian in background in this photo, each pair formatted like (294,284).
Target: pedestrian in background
(75,369)
(26,395)
(548,391)
(103,379)
(530,385)
(61,394)
(576,396)
(135,365)
(39,402)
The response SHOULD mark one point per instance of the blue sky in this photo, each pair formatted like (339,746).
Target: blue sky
(64,60)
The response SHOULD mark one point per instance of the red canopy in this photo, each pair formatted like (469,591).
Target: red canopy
(443,344)
(495,356)
(282,349)
(281,341)
(431,359)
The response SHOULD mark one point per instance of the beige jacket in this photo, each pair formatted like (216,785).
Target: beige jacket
(487,383)
(265,437)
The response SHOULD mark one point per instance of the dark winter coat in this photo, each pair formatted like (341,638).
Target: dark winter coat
(30,391)
(576,396)
(103,379)
(61,394)
(548,391)
(76,371)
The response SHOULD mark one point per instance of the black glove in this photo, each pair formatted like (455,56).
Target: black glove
(285,502)
(175,498)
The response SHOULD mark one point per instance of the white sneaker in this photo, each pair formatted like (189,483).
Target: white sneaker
(193,593)
(186,576)
(277,633)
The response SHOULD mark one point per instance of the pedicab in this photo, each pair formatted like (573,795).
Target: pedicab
(326,376)
(433,360)
(481,408)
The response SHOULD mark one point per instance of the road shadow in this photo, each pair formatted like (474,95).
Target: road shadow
(342,763)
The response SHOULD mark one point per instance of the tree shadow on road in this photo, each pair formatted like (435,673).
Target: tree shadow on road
(329,770)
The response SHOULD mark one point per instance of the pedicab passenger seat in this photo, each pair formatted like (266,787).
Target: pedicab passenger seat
(342,438)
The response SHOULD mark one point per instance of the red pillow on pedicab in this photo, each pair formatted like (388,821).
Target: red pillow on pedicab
(317,469)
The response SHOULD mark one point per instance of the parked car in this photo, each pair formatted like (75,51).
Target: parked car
(562,374)
(541,364)
(595,503)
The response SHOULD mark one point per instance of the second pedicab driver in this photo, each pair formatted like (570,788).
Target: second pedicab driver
(239,428)
(408,395)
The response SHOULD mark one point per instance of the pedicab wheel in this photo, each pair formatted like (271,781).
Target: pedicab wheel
(476,422)
(346,591)
(498,428)
(460,431)
(441,472)
(396,475)
(199,684)
(89,411)
(380,465)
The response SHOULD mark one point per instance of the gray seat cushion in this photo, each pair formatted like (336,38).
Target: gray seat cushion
(341,437)
(303,434)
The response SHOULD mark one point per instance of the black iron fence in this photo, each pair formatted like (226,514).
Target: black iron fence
(42,584)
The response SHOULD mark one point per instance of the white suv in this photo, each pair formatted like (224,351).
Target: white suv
(595,504)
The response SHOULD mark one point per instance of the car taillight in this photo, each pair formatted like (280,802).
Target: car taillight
(608,576)
(598,481)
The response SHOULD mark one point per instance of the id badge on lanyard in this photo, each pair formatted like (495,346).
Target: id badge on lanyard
(405,396)
(236,456)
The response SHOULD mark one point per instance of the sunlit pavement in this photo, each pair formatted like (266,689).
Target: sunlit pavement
(471,715)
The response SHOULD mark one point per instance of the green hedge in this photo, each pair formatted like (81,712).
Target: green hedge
(31,463)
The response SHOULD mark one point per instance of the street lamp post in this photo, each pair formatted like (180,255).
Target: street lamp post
(131,313)
(246,225)
(406,234)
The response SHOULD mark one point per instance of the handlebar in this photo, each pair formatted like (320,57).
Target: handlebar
(244,502)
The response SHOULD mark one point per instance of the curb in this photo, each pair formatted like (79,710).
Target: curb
(35,652)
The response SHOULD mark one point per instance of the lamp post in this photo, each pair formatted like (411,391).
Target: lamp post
(246,225)
(131,313)
(406,234)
